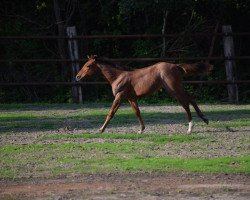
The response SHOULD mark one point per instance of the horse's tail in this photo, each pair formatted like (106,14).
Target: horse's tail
(196,68)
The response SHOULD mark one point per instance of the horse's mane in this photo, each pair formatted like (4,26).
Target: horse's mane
(104,61)
(109,69)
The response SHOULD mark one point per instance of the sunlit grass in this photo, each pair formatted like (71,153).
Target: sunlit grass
(72,158)
(239,122)
(167,164)
(157,138)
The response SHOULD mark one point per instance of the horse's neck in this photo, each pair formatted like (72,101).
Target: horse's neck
(110,73)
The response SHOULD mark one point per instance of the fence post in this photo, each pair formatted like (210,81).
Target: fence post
(228,45)
(73,52)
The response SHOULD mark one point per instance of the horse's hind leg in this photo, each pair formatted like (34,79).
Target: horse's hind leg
(175,88)
(183,99)
(197,109)
(136,109)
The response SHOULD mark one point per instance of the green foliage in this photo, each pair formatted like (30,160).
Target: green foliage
(144,48)
(94,17)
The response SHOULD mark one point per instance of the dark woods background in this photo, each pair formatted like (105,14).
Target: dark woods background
(112,17)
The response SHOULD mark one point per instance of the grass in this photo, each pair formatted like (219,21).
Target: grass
(239,122)
(156,138)
(165,164)
(58,159)
(58,154)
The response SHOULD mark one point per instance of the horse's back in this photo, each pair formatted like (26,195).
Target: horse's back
(165,66)
(146,80)
(168,70)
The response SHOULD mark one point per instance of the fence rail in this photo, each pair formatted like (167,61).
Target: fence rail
(105,83)
(126,59)
(122,36)
(141,36)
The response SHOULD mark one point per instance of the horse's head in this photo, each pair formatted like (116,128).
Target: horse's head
(88,69)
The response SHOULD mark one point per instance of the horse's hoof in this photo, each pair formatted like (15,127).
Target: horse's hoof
(142,129)
(101,130)
(140,132)
(206,120)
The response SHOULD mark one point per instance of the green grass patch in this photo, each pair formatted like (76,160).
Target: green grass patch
(156,138)
(19,149)
(7,173)
(29,125)
(164,164)
(72,147)
(232,123)
(8,117)
(18,160)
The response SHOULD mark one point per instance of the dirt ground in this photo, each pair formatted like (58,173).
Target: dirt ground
(132,186)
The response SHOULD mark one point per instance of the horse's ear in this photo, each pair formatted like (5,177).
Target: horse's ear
(93,56)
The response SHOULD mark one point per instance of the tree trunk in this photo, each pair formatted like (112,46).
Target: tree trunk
(211,49)
(61,32)
(210,53)
(163,31)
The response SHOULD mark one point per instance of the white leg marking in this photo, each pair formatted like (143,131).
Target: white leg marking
(190,127)
(140,131)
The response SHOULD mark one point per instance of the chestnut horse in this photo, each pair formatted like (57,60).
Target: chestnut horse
(130,85)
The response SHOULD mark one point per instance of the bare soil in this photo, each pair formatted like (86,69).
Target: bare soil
(132,186)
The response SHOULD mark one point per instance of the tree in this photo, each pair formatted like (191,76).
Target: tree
(96,17)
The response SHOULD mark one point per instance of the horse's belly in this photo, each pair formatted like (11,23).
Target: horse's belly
(146,89)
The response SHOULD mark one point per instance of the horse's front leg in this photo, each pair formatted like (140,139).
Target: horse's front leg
(114,108)
(136,109)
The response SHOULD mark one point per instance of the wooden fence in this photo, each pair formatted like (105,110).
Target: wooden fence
(228,58)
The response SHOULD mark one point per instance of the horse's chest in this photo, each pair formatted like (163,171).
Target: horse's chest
(120,85)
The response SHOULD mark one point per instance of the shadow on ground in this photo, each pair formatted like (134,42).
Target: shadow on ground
(82,120)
